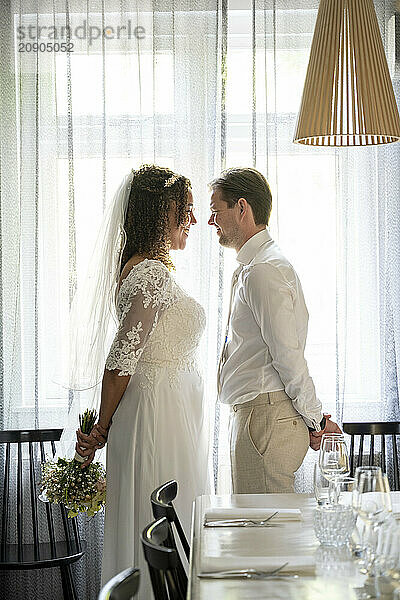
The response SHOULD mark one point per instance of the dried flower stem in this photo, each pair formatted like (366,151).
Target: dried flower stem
(87,421)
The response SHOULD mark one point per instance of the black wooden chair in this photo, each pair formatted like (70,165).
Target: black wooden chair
(161,504)
(162,562)
(123,586)
(32,543)
(387,432)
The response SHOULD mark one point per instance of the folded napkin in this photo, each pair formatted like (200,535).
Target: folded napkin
(301,564)
(284,514)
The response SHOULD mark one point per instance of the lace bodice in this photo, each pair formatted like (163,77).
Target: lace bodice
(159,324)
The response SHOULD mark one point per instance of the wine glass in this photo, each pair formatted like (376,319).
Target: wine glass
(391,551)
(372,495)
(343,491)
(321,486)
(366,469)
(370,471)
(388,549)
(372,501)
(363,529)
(334,459)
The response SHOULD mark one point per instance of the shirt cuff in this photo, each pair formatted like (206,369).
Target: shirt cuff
(313,424)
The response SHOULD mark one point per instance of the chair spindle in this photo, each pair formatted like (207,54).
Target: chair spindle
(383,454)
(53,447)
(158,583)
(360,451)
(64,515)
(352,456)
(396,463)
(76,534)
(49,512)
(182,538)
(371,450)
(32,482)
(20,503)
(6,496)
(173,585)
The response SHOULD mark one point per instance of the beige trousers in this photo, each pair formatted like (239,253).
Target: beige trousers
(268,441)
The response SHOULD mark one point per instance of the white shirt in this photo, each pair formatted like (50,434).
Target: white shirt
(268,331)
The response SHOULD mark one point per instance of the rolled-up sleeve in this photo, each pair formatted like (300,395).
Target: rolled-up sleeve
(271,299)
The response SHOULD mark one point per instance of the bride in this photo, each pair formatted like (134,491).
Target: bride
(151,411)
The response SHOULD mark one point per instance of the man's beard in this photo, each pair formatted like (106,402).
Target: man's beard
(226,241)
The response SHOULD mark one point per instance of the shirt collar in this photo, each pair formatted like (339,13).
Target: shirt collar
(250,248)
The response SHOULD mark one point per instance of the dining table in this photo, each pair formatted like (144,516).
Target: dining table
(306,570)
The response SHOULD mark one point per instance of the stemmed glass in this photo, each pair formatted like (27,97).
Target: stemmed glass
(343,491)
(334,459)
(371,495)
(372,501)
(388,550)
(321,486)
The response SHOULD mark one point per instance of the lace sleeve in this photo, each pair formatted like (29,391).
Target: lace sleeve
(143,296)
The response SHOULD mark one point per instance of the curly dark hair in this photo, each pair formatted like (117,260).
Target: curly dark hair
(154,191)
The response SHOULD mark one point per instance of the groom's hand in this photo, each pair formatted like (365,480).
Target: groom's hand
(316,436)
(331,427)
(315,442)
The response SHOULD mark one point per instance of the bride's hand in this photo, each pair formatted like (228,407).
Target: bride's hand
(96,439)
(89,458)
(100,433)
(87,445)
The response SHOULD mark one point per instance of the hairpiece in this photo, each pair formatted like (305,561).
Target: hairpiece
(171,180)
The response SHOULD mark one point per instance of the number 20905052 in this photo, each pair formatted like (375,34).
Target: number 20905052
(45,47)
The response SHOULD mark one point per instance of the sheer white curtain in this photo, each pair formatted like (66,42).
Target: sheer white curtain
(268,45)
(335,212)
(77,122)
(72,124)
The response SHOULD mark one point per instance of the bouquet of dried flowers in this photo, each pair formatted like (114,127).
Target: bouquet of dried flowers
(64,481)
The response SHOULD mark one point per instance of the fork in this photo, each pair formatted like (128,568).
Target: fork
(242,573)
(242,522)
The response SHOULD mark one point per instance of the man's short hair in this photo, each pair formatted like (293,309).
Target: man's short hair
(249,184)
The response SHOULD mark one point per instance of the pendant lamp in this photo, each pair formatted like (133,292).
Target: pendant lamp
(348,97)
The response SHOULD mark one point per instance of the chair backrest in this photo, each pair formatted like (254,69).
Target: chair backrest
(161,504)
(123,586)
(162,562)
(35,520)
(387,447)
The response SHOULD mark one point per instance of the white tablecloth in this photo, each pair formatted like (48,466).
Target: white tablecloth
(335,576)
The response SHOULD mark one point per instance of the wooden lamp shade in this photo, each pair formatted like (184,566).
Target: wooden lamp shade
(348,97)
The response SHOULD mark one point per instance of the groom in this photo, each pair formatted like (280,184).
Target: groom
(262,373)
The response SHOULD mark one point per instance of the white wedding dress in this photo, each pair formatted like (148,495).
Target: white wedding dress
(159,430)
